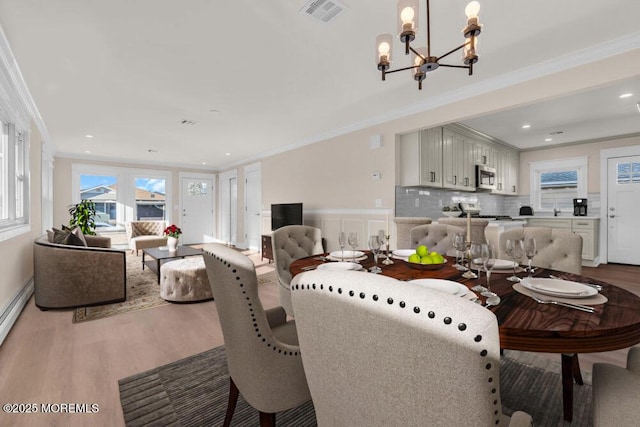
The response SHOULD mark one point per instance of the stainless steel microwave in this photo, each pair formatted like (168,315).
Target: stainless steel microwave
(485,177)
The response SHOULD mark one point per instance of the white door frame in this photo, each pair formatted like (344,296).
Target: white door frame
(223,179)
(196,175)
(605,155)
(255,167)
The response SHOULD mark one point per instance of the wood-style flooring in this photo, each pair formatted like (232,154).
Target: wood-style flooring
(47,359)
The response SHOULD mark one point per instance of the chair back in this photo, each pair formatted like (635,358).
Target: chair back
(265,365)
(378,351)
(290,243)
(478,227)
(556,249)
(404,226)
(436,237)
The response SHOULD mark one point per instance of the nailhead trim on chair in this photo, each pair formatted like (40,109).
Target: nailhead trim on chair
(253,315)
(462,327)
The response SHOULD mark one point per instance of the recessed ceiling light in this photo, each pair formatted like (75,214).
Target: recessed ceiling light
(87,151)
(88,136)
(626,95)
(227,154)
(526,126)
(548,139)
(204,163)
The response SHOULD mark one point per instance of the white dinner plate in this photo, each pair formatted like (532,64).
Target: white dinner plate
(403,253)
(504,263)
(347,254)
(446,286)
(558,288)
(340,266)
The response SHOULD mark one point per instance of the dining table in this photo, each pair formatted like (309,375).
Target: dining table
(526,325)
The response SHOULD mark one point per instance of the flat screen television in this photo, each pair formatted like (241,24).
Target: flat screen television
(285,214)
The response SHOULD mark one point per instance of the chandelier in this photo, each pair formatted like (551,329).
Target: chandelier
(423,61)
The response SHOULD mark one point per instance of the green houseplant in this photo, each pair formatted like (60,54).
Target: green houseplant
(83,216)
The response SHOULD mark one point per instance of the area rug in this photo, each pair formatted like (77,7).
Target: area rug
(194,392)
(143,292)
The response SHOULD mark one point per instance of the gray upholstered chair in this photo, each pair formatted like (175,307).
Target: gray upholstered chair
(290,243)
(437,237)
(616,391)
(383,352)
(478,227)
(404,226)
(262,347)
(556,249)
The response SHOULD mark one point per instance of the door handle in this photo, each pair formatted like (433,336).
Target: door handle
(612,216)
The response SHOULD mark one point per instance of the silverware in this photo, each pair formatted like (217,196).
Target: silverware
(541,300)
(593,285)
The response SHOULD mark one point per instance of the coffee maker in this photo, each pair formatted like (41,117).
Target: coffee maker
(579,207)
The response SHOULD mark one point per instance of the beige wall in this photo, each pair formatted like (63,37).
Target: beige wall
(17,253)
(590,149)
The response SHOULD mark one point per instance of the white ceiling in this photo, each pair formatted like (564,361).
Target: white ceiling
(259,77)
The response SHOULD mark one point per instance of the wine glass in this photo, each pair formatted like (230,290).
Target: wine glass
(530,251)
(374,245)
(354,241)
(488,268)
(477,254)
(342,240)
(514,250)
(459,245)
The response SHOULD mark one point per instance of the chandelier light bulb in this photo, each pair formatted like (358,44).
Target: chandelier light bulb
(407,15)
(383,49)
(472,9)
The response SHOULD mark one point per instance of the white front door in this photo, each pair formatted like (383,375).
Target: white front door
(252,204)
(623,206)
(197,210)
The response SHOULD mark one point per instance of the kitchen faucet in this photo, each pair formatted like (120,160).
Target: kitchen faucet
(556,211)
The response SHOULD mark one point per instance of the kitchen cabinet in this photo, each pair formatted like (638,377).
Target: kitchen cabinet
(421,158)
(587,227)
(458,166)
(507,165)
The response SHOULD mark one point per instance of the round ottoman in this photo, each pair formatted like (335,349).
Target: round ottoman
(185,280)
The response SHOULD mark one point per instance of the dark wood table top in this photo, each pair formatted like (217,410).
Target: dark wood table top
(181,251)
(526,325)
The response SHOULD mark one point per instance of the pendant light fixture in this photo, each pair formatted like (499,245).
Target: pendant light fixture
(422,60)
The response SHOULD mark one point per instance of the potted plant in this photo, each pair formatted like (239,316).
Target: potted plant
(83,216)
(173,233)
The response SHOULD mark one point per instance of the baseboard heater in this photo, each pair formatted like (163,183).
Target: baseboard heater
(11,311)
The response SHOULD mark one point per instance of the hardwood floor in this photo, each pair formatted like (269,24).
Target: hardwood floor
(47,359)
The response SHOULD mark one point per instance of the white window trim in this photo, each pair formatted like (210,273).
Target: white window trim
(126,185)
(579,164)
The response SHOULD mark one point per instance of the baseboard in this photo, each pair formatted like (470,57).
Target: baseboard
(10,313)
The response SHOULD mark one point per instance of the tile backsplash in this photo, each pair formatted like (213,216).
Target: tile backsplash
(428,202)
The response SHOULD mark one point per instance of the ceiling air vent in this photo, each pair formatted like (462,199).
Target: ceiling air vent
(323,10)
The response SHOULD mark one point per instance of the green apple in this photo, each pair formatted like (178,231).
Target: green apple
(422,250)
(415,258)
(437,258)
(426,260)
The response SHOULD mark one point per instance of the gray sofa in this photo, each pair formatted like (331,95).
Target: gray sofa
(67,276)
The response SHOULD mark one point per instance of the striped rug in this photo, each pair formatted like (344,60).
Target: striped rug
(193,392)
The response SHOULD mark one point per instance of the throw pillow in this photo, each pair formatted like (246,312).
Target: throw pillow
(80,237)
(68,237)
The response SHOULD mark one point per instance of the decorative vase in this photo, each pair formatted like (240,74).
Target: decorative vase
(172,243)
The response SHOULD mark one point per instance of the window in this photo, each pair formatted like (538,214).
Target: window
(14,177)
(150,199)
(628,173)
(555,183)
(102,190)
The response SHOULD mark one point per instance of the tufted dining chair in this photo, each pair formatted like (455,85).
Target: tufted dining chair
(378,351)
(404,226)
(615,392)
(436,237)
(290,243)
(556,249)
(262,349)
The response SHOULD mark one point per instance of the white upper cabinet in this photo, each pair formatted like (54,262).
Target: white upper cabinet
(421,158)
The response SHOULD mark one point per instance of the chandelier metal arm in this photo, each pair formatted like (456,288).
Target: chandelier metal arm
(453,50)
(418,53)
(401,69)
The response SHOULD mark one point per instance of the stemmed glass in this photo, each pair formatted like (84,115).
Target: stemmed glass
(514,250)
(354,241)
(342,240)
(530,251)
(478,255)
(488,268)
(374,245)
(459,245)
(384,237)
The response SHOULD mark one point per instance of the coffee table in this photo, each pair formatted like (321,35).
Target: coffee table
(162,255)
